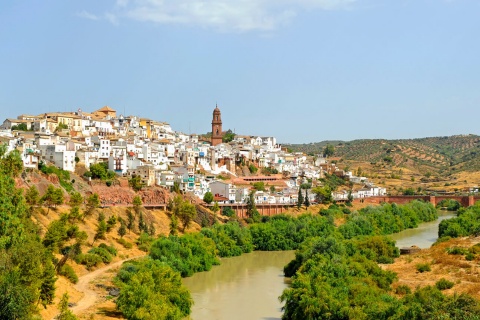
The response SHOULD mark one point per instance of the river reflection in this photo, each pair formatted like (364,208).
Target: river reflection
(245,287)
(423,236)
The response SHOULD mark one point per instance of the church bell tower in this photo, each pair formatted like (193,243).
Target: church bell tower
(216,127)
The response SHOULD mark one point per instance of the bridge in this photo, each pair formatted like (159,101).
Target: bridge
(465,201)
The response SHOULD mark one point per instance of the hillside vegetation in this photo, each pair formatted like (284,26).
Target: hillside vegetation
(441,163)
(438,154)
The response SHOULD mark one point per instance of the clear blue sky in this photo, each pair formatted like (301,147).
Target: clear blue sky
(299,70)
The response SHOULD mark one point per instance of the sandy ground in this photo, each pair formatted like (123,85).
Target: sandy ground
(465,274)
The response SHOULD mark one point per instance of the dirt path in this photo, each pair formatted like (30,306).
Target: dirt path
(84,283)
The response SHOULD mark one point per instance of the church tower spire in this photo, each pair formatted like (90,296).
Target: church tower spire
(217,134)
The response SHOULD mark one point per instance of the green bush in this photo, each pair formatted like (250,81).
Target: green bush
(444,284)
(457,251)
(423,267)
(403,289)
(125,243)
(110,249)
(469,256)
(68,272)
(102,253)
(88,259)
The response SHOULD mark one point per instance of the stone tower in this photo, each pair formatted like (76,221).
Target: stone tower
(216,127)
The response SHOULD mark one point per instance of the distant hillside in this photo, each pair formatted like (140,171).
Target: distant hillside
(442,155)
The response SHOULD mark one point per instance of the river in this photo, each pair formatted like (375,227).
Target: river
(245,287)
(423,236)
(248,287)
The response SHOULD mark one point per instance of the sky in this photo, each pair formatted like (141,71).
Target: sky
(299,70)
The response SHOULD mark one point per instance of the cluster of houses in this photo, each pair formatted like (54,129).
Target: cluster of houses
(152,150)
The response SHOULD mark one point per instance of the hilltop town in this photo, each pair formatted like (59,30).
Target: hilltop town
(223,163)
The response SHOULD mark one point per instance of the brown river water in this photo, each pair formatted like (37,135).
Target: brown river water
(248,287)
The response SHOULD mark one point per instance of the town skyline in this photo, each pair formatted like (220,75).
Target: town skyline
(303,71)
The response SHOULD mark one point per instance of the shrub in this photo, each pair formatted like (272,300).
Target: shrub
(88,259)
(68,272)
(470,256)
(403,289)
(110,249)
(102,253)
(125,243)
(457,251)
(444,284)
(423,267)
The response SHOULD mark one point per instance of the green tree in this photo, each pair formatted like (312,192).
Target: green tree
(76,199)
(228,136)
(93,202)
(152,290)
(135,183)
(173,225)
(11,163)
(299,198)
(49,198)
(208,197)
(306,201)
(111,222)
(47,288)
(130,220)
(323,194)
(329,150)
(23,257)
(215,207)
(187,212)
(32,196)
(122,230)
(259,186)
(252,211)
(137,204)
(65,313)
(98,171)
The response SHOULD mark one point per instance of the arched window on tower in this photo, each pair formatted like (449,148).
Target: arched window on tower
(217,131)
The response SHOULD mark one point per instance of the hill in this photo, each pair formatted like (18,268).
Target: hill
(435,163)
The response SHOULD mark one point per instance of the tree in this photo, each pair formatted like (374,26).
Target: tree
(176,187)
(228,136)
(52,197)
(76,199)
(98,171)
(65,313)
(142,226)
(323,194)
(152,290)
(32,196)
(151,229)
(300,198)
(135,183)
(215,207)
(187,213)
(173,225)
(47,288)
(307,201)
(137,204)
(122,230)
(111,222)
(329,150)
(259,186)
(93,202)
(23,257)
(252,211)
(130,220)
(101,231)
(11,163)
(349,196)
(208,197)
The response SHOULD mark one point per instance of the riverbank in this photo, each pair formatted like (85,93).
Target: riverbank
(456,268)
